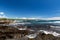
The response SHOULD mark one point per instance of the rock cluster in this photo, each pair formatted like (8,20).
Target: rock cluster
(11,33)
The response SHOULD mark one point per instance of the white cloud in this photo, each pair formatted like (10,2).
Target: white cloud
(2,15)
(24,18)
(54,18)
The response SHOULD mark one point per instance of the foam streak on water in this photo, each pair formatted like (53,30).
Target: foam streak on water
(51,32)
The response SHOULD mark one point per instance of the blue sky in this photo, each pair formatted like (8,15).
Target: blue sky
(30,8)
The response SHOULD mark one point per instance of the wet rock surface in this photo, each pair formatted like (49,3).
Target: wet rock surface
(11,33)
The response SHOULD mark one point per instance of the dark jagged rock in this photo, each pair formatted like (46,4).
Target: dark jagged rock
(13,33)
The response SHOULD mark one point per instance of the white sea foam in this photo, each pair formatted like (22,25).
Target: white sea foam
(56,22)
(22,28)
(31,36)
(50,32)
(55,26)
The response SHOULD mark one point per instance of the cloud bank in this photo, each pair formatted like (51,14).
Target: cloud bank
(52,18)
(2,15)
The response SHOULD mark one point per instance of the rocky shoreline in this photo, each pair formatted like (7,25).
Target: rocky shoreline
(11,33)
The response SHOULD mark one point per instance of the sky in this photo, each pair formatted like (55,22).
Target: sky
(30,8)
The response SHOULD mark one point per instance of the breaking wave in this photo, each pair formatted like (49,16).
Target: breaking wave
(50,32)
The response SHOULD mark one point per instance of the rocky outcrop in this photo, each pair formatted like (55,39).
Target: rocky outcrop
(11,33)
